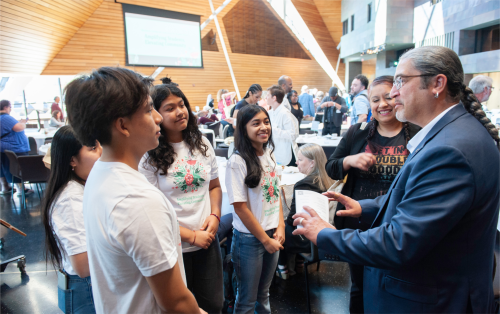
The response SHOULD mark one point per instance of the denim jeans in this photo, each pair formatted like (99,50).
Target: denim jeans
(254,268)
(78,297)
(204,277)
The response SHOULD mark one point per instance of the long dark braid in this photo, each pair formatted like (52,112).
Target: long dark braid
(473,106)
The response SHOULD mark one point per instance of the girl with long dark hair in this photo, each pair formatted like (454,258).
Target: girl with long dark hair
(62,215)
(259,230)
(371,155)
(184,168)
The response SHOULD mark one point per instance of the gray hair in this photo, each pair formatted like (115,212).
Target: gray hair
(304,88)
(317,154)
(478,83)
(434,60)
(282,79)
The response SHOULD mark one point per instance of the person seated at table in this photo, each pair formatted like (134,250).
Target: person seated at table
(311,161)
(285,127)
(259,229)
(62,217)
(14,139)
(206,116)
(135,256)
(296,108)
(366,155)
(184,168)
(55,121)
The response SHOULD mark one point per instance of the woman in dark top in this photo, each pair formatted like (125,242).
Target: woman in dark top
(296,108)
(311,160)
(371,155)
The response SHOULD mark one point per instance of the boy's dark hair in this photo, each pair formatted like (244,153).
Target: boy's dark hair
(363,79)
(277,91)
(4,104)
(95,101)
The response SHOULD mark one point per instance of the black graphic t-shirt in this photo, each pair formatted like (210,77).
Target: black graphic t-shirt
(390,157)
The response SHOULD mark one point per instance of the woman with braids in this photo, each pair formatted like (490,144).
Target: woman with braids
(430,245)
(62,216)
(370,155)
(184,168)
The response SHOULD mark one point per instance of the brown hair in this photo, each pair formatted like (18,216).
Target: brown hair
(277,91)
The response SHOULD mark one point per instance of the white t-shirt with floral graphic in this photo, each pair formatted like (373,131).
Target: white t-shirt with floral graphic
(186,185)
(263,200)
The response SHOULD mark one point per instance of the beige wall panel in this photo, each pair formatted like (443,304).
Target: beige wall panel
(32,32)
(91,48)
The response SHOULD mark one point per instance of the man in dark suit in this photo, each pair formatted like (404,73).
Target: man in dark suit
(334,108)
(430,245)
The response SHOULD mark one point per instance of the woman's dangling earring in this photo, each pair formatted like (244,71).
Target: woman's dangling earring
(73,169)
(436,96)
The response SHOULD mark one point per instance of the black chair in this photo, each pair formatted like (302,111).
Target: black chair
(329,150)
(28,169)
(215,127)
(310,258)
(210,137)
(33,146)
(222,152)
(48,140)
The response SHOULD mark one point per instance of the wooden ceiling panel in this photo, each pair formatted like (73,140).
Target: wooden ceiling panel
(34,31)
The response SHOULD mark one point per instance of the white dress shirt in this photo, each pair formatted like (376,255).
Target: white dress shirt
(285,132)
(286,103)
(415,141)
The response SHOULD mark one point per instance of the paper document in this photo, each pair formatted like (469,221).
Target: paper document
(316,201)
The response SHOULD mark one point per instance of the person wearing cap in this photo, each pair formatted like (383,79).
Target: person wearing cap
(333,107)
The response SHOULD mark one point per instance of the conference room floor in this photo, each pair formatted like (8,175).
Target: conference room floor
(37,293)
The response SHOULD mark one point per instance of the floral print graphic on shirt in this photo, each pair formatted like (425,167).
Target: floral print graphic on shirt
(189,174)
(270,186)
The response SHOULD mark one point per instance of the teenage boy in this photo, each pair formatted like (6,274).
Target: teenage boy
(133,239)
(285,127)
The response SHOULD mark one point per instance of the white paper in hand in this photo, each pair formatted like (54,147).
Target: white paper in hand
(316,201)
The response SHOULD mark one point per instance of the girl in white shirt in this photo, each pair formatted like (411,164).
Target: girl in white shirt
(184,168)
(62,209)
(252,187)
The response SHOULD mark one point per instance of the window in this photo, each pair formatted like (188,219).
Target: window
(488,39)
(369,12)
(345,27)
(352,22)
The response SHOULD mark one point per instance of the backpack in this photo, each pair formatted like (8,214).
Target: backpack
(369,109)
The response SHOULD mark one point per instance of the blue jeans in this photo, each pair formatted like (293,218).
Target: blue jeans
(254,268)
(78,297)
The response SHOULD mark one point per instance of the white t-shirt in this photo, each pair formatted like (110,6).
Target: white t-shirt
(263,200)
(67,222)
(132,233)
(186,185)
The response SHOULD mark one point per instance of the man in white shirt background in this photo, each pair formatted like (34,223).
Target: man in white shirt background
(287,85)
(285,127)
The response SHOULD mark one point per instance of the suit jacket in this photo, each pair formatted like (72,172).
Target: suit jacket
(430,245)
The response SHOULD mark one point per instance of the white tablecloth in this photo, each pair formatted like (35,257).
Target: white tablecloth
(286,178)
(320,140)
(39,136)
(42,150)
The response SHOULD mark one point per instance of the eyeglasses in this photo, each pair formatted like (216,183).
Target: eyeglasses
(491,87)
(398,81)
